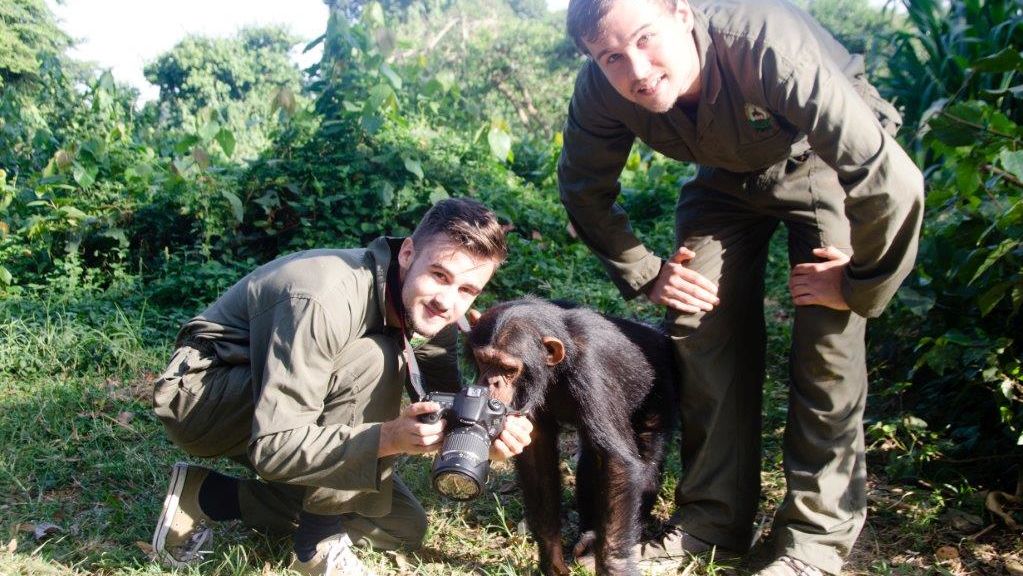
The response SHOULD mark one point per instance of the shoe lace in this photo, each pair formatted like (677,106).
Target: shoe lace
(341,560)
(799,567)
(191,548)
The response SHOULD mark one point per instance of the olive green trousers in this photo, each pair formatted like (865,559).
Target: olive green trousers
(206,407)
(728,219)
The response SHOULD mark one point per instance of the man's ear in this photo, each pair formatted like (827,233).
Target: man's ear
(685,12)
(406,254)
(555,350)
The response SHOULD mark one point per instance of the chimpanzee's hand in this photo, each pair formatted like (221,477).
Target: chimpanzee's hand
(682,288)
(513,439)
(407,435)
(820,282)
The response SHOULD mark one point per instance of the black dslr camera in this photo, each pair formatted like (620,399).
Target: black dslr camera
(474,420)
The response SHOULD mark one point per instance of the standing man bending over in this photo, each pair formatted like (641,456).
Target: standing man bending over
(298,370)
(785,129)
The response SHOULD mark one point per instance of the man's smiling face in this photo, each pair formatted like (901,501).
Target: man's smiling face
(440,281)
(648,53)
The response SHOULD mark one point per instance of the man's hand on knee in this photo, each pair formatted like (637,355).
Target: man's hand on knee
(820,283)
(682,288)
(406,434)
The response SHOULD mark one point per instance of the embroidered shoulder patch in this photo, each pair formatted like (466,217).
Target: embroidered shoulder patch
(758,117)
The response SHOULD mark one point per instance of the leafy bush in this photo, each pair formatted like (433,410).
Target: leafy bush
(958,327)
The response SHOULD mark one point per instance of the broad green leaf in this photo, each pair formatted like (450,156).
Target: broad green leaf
(438,194)
(180,166)
(446,78)
(236,204)
(1012,161)
(500,143)
(73,213)
(990,298)
(85,177)
(914,422)
(374,14)
(1005,60)
(209,130)
(378,96)
(999,251)
(226,140)
(391,76)
(917,303)
(6,278)
(958,337)
(1014,91)
(414,167)
(387,193)
(185,144)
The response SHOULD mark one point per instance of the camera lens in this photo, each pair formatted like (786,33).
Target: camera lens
(457,486)
(461,467)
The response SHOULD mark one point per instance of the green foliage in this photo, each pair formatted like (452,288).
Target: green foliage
(858,25)
(237,82)
(964,302)
(37,85)
(28,37)
(950,50)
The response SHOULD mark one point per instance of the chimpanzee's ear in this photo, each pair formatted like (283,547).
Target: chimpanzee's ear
(555,350)
(467,321)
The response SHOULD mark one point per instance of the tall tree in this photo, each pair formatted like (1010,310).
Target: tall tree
(230,81)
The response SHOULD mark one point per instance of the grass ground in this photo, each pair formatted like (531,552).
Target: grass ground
(84,466)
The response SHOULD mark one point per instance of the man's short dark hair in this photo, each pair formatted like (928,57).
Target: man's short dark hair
(584,17)
(466,224)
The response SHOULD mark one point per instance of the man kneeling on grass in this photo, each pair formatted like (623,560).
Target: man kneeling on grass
(297,372)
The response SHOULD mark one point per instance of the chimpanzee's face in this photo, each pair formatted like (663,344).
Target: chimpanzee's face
(514,360)
(499,371)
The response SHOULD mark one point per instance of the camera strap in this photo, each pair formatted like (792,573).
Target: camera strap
(414,382)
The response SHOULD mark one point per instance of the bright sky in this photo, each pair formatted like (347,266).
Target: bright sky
(125,35)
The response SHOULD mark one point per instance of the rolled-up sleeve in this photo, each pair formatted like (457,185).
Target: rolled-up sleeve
(884,188)
(596,148)
(288,444)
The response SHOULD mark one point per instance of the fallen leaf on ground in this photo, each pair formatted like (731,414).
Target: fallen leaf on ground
(946,553)
(146,548)
(1014,567)
(124,418)
(12,546)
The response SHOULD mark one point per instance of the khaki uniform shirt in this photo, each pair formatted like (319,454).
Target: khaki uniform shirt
(774,85)
(290,320)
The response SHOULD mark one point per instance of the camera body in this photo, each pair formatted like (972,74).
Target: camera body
(474,420)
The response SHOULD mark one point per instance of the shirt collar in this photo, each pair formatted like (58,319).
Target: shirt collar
(710,76)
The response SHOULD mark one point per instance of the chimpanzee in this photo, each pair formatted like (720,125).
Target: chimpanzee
(611,379)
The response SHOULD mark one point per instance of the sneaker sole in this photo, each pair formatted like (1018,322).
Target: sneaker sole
(170,508)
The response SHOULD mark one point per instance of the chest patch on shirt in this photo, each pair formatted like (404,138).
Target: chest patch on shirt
(758,117)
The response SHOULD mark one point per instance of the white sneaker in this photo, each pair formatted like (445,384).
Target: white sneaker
(789,566)
(334,557)
(182,534)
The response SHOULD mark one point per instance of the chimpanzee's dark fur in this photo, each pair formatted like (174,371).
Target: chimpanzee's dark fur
(616,387)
